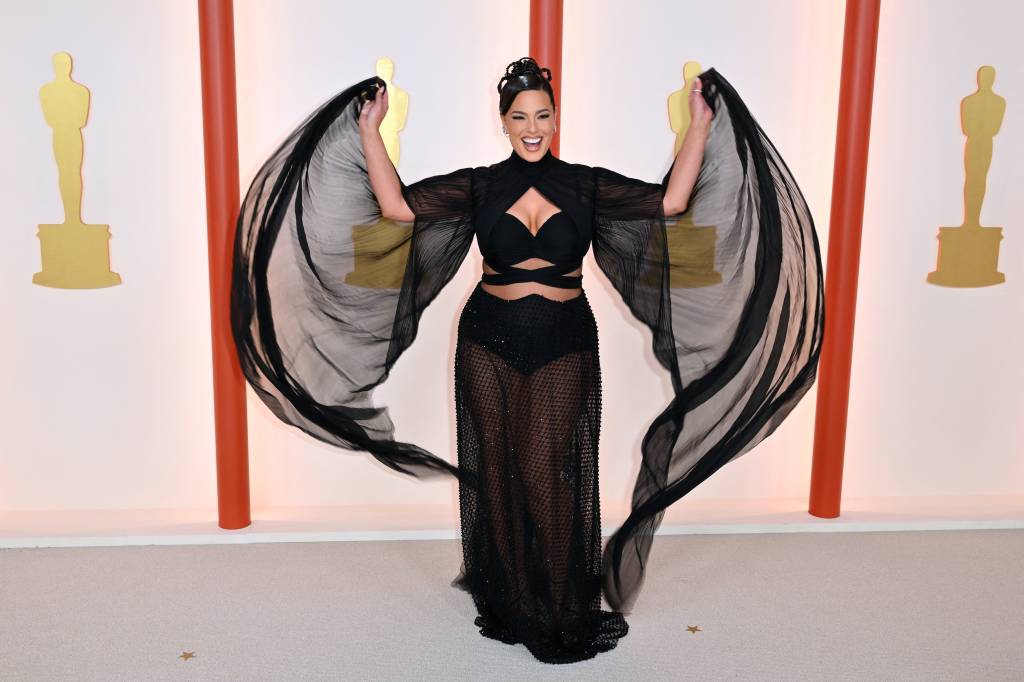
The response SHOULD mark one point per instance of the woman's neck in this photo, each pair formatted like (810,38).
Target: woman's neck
(531,167)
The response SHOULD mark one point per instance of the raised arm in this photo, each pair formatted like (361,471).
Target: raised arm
(691,154)
(387,188)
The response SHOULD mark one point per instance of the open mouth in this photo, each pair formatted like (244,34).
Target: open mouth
(532,144)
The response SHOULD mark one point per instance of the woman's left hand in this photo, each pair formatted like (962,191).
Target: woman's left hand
(373,112)
(700,112)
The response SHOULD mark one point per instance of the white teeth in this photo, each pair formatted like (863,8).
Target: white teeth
(533,140)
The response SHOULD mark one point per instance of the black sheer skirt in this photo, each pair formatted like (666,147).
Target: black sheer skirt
(528,411)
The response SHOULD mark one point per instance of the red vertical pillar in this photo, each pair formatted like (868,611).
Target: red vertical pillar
(546,47)
(220,138)
(849,177)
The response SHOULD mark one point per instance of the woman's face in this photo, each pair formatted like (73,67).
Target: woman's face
(530,122)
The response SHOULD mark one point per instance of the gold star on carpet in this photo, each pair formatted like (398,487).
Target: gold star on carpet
(693,628)
(187,655)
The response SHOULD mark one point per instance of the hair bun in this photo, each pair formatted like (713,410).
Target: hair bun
(525,67)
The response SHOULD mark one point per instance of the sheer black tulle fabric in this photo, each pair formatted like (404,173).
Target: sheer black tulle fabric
(327,295)
(528,415)
(733,293)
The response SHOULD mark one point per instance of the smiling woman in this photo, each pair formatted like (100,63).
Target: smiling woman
(315,338)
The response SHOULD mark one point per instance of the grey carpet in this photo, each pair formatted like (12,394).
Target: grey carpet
(935,605)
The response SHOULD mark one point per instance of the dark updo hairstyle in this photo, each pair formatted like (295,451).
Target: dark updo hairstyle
(523,74)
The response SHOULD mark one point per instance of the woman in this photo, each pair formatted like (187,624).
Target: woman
(336,259)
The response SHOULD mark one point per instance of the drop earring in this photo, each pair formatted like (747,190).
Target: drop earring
(504,130)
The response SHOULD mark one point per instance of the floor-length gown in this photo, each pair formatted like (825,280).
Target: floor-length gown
(327,295)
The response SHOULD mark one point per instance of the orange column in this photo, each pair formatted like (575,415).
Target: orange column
(546,47)
(220,138)
(849,177)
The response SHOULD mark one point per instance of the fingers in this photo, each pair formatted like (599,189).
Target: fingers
(374,110)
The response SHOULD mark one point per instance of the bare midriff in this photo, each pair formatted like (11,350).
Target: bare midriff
(532,208)
(520,289)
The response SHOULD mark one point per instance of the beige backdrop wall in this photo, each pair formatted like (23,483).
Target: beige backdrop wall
(107,400)
(936,401)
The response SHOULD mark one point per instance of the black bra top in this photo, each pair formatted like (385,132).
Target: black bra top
(557,241)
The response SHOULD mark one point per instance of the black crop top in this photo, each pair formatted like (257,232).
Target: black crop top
(510,242)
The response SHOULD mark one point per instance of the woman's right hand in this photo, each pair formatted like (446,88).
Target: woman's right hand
(373,111)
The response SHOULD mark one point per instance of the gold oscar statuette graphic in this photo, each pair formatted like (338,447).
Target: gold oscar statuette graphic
(969,254)
(382,248)
(691,248)
(398,109)
(74,255)
(381,254)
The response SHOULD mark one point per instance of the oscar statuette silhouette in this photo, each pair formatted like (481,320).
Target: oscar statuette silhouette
(74,255)
(382,248)
(691,247)
(969,254)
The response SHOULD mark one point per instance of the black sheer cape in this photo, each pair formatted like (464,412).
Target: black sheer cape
(327,294)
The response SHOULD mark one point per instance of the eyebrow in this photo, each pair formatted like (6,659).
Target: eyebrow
(539,111)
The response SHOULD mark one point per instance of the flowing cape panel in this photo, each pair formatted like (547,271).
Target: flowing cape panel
(732,291)
(327,294)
